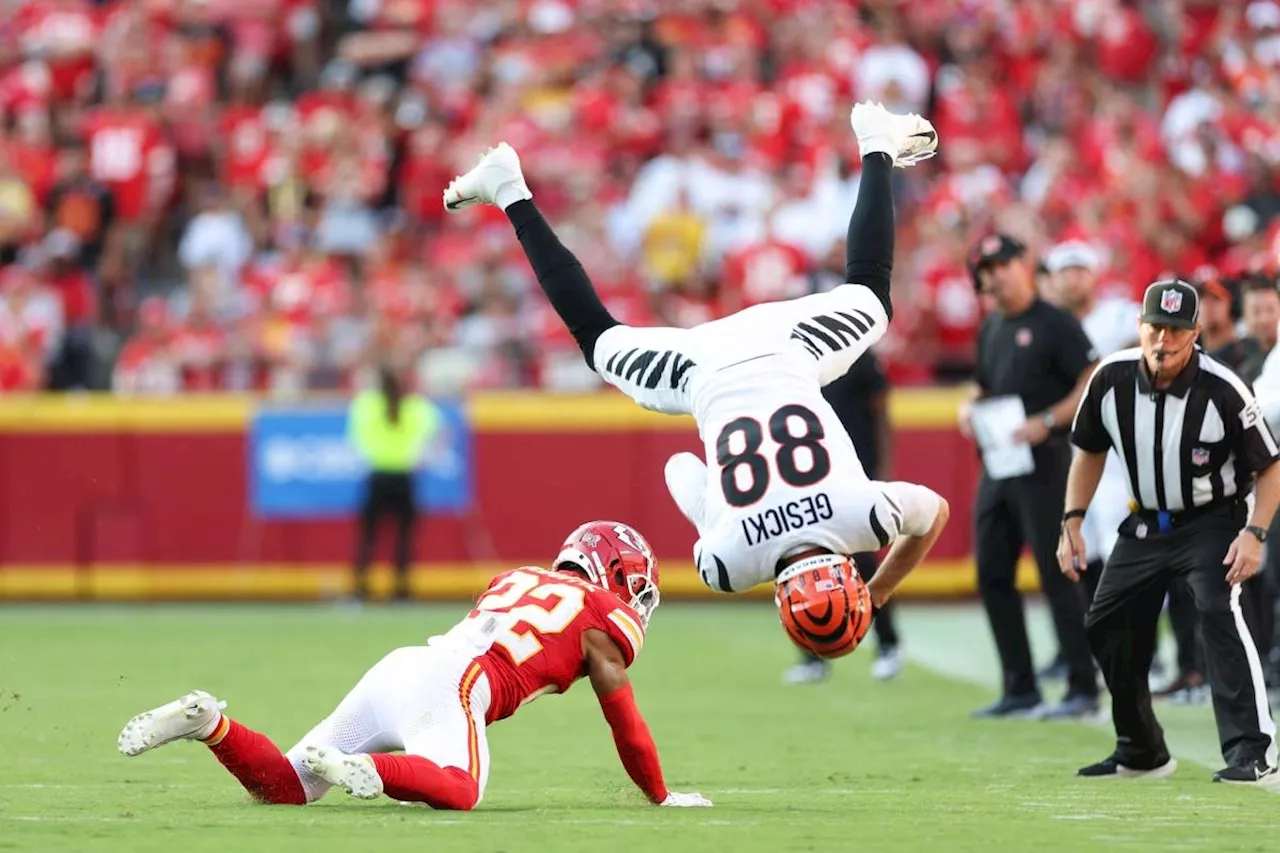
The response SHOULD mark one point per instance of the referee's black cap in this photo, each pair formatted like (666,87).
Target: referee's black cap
(1171,302)
(993,249)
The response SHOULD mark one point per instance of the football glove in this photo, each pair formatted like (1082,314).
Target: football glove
(685,800)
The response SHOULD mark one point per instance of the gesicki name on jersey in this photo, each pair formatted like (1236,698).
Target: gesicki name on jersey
(792,515)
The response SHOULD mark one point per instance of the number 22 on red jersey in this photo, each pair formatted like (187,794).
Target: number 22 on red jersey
(545,604)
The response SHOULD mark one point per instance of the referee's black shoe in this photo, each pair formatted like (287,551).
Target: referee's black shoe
(1111,768)
(1019,706)
(1245,774)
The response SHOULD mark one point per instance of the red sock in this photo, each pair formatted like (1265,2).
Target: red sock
(415,779)
(257,763)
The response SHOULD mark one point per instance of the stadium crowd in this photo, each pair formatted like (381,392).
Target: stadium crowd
(215,194)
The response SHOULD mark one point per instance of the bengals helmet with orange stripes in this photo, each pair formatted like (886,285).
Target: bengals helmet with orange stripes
(824,605)
(615,556)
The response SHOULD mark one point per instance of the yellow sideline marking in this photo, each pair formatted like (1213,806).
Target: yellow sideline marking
(451,581)
(517,411)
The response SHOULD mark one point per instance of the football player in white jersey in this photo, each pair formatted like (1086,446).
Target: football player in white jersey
(781,491)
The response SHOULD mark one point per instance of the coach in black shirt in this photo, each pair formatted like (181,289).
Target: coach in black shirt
(1037,352)
(1193,440)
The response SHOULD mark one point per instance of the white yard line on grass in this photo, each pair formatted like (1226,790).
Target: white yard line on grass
(955,642)
(48,818)
(83,785)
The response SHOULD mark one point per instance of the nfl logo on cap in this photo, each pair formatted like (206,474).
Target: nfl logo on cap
(1170,302)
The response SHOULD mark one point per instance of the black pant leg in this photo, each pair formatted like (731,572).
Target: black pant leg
(1040,506)
(1121,627)
(997,546)
(885,627)
(1089,581)
(868,248)
(370,512)
(1232,666)
(402,507)
(1186,627)
(562,278)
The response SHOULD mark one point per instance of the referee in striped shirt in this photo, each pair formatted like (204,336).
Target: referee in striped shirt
(1194,443)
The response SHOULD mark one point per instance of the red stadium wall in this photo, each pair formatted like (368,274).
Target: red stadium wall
(104,498)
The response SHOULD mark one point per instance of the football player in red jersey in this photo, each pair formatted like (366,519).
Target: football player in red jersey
(533,632)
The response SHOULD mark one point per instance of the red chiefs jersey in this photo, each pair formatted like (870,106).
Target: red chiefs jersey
(542,652)
(145,367)
(200,351)
(298,289)
(65,32)
(769,271)
(129,153)
(17,371)
(35,163)
(246,144)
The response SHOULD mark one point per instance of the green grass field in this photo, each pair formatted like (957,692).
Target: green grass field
(849,764)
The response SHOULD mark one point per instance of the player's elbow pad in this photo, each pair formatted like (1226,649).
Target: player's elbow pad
(944,511)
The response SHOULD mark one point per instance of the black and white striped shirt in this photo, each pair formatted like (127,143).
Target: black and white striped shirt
(1197,442)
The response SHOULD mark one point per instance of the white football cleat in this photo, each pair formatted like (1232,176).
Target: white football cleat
(907,139)
(496,179)
(354,774)
(192,717)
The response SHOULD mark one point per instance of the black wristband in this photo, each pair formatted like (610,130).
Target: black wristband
(1073,513)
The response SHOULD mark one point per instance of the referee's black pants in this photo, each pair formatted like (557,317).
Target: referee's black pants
(1028,511)
(1186,628)
(1122,631)
(387,493)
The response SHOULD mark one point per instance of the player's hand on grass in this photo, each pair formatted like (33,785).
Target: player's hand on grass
(685,800)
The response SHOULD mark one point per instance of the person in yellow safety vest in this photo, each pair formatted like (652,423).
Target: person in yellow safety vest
(391,430)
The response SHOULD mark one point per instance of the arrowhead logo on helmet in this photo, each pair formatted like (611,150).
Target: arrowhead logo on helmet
(616,557)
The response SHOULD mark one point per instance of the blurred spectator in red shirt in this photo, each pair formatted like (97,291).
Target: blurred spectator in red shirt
(699,156)
(146,366)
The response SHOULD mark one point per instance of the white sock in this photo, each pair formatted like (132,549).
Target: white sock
(883,144)
(206,731)
(510,193)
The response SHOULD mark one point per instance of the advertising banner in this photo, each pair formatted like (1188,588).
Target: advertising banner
(303,466)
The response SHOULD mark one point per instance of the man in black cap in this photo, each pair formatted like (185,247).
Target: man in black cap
(1038,353)
(1194,442)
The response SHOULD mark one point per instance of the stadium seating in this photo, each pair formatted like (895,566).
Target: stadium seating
(219,195)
